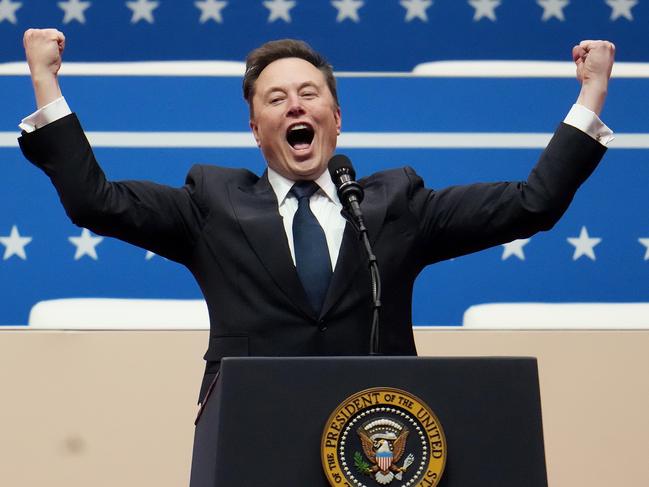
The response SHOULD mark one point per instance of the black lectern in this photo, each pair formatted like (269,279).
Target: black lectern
(264,420)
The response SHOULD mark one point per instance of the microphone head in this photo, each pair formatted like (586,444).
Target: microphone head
(340,164)
(344,177)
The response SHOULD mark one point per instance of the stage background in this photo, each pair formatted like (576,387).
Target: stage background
(412,115)
(356,35)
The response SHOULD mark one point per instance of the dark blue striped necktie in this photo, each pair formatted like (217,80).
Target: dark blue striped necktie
(311,252)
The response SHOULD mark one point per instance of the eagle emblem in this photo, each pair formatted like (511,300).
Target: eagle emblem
(384,443)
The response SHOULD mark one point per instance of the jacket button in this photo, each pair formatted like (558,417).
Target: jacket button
(321,325)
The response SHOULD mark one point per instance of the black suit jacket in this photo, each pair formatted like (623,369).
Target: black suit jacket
(224,225)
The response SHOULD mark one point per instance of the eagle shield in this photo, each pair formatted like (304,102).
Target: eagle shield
(384,442)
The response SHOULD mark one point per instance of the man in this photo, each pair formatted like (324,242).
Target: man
(235,231)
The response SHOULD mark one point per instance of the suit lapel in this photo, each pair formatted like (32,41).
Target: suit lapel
(256,210)
(352,257)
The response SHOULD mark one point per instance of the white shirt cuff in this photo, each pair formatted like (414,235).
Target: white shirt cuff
(49,113)
(588,122)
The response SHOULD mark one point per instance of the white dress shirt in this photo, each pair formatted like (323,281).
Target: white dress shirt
(324,205)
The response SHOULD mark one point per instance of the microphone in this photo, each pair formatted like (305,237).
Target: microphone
(344,177)
(351,194)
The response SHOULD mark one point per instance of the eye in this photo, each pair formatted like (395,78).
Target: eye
(276,99)
(309,94)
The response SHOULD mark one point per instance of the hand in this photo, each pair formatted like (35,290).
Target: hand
(594,60)
(44,50)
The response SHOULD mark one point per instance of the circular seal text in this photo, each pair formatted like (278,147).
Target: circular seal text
(383,436)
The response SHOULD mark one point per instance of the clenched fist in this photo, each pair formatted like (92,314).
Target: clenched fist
(594,60)
(44,49)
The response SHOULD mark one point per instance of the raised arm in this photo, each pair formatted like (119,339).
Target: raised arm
(464,219)
(159,218)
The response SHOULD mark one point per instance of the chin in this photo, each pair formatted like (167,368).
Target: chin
(307,168)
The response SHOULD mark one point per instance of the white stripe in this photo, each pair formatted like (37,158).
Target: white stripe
(172,139)
(444,140)
(519,69)
(140,68)
(453,69)
(349,140)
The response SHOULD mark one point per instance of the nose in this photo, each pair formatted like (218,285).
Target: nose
(295,108)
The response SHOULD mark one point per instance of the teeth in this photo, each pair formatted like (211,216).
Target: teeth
(299,126)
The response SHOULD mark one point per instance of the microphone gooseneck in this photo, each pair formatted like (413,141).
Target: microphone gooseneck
(351,195)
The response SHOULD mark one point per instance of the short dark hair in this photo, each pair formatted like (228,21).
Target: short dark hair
(259,58)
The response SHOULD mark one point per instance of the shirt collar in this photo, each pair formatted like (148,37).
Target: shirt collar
(281,186)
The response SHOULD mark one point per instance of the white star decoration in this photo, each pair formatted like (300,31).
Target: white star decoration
(279,9)
(553,8)
(347,9)
(15,244)
(584,245)
(8,10)
(211,10)
(485,8)
(645,242)
(515,248)
(74,10)
(621,8)
(142,10)
(85,244)
(416,9)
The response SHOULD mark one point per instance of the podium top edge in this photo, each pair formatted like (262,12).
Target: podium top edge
(378,358)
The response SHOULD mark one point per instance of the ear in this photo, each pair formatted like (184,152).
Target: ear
(255,131)
(339,120)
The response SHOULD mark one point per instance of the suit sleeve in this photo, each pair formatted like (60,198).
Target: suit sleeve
(159,218)
(464,219)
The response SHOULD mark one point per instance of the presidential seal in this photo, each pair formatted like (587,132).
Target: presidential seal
(383,436)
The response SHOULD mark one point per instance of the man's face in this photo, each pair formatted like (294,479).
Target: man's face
(295,120)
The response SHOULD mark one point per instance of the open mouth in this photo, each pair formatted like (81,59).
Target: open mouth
(300,135)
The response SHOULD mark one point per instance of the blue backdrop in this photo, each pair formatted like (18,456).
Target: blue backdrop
(377,35)
(612,205)
(356,35)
